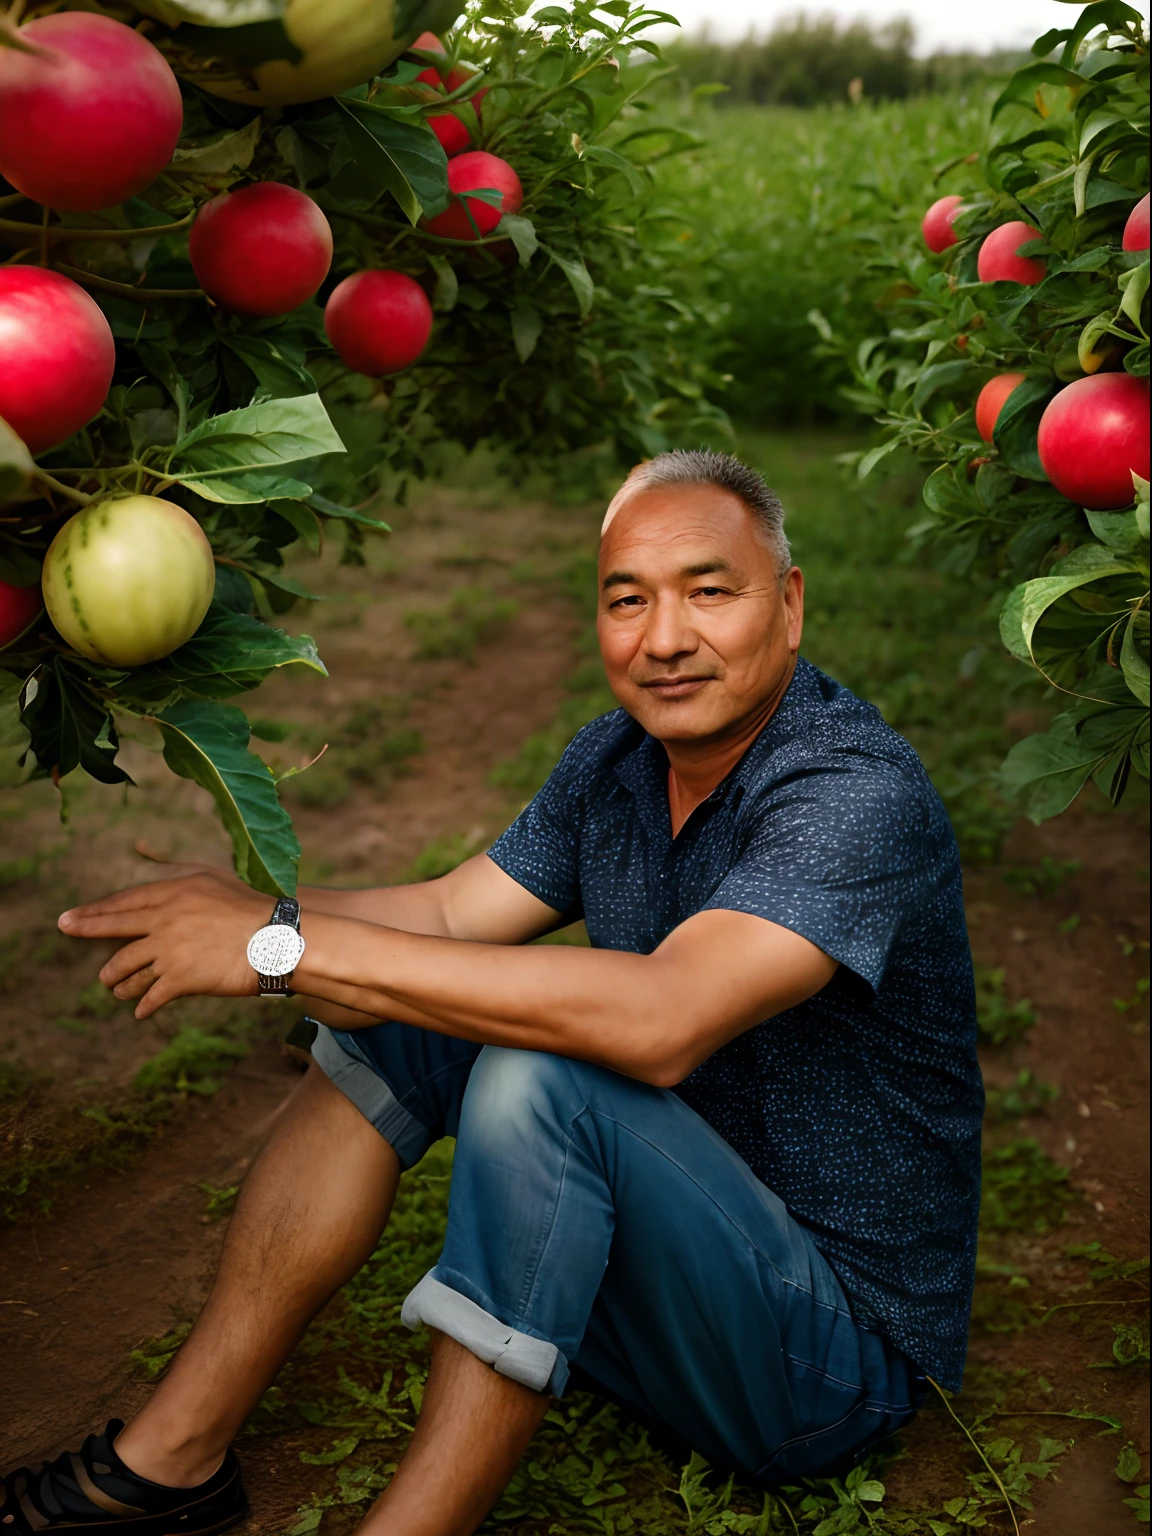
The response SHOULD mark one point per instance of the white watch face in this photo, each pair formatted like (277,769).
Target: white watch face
(275,950)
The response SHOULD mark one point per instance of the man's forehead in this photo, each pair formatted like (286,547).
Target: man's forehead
(693,525)
(636,501)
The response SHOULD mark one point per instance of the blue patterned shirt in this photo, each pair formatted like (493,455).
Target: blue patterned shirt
(860,1108)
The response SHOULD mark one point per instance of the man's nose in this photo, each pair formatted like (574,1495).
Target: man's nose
(670,631)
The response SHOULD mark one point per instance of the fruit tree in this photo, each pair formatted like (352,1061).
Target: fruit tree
(1015,364)
(257,259)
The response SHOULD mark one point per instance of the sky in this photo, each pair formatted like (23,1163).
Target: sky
(977,25)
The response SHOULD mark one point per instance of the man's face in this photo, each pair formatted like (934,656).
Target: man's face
(697,630)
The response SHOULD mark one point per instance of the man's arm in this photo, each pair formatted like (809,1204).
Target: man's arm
(653,1017)
(476,900)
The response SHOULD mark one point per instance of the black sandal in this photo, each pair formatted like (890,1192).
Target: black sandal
(91,1490)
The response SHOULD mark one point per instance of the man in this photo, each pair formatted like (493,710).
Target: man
(725,1162)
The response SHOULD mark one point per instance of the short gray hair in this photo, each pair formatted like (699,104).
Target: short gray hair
(702,466)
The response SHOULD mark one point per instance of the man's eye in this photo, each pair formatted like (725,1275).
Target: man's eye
(632,601)
(711,592)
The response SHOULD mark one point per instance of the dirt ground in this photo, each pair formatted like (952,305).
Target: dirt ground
(126,1252)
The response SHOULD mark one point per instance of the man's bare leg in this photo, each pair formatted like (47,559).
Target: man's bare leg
(310,1213)
(473,1428)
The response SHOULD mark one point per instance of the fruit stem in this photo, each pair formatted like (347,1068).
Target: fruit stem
(62,489)
(126,290)
(63,232)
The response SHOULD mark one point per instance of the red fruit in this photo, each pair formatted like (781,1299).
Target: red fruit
(261,251)
(428,42)
(991,400)
(469,173)
(18,607)
(1136,229)
(998,262)
(1092,436)
(56,355)
(936,225)
(460,76)
(379,322)
(453,135)
(90,120)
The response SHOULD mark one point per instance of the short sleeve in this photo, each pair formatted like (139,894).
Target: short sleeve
(540,850)
(843,856)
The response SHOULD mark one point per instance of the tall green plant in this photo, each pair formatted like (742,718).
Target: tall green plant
(559,331)
(1067,152)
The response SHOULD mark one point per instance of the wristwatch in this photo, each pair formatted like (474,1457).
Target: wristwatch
(274,951)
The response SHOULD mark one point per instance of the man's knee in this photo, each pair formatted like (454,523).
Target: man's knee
(517,1096)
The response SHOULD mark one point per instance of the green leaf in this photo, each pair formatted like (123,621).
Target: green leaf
(70,727)
(522,233)
(578,276)
(1118,530)
(405,157)
(346,514)
(230,653)
(1134,285)
(17,763)
(1128,1464)
(1022,87)
(1046,773)
(277,373)
(869,460)
(617,162)
(527,326)
(232,153)
(238,457)
(1017,426)
(1132,664)
(17,466)
(304,520)
(208,743)
(1028,603)
(939,376)
(447,288)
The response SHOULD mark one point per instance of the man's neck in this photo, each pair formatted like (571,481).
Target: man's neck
(695,768)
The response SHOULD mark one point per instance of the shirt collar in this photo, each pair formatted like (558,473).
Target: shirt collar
(644,770)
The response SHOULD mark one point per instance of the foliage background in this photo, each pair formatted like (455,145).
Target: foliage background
(558,334)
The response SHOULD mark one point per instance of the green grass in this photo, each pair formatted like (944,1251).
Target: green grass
(788,208)
(471,616)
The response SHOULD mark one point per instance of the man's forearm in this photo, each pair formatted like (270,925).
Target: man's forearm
(602,1006)
(410,908)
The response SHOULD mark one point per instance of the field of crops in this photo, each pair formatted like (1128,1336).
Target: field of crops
(696,259)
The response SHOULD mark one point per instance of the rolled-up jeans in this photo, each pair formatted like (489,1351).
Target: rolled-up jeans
(598,1223)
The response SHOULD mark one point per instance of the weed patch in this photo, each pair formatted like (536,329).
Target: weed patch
(471,617)
(1025,1095)
(1043,879)
(998,1021)
(189,1063)
(1023,1190)
(368,749)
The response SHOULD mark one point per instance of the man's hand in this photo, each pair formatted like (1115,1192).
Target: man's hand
(189,938)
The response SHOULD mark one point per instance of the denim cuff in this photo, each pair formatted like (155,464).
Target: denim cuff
(534,1363)
(338,1056)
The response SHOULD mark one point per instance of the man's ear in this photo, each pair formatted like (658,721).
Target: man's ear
(794,605)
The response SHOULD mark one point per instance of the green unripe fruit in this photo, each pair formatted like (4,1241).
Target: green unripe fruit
(128,580)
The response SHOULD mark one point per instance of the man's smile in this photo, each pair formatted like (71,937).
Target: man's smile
(676,687)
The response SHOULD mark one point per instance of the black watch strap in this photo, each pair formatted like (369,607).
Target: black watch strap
(286,911)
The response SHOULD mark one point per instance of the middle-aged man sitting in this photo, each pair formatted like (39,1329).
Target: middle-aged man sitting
(725,1163)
